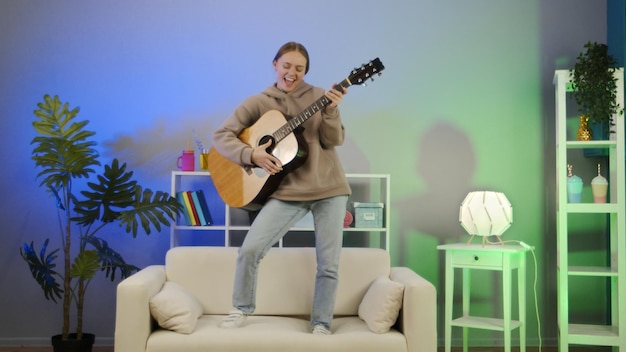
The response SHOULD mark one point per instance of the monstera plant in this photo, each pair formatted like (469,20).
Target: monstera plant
(64,153)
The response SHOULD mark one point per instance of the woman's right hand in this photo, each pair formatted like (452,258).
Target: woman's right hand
(261,158)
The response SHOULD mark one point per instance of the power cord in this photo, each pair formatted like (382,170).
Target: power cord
(532,251)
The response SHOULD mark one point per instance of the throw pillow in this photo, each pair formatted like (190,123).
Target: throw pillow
(381,304)
(175,308)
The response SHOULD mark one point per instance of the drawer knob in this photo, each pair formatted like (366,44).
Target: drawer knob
(475,258)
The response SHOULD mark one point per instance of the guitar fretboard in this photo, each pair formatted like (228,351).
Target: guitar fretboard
(302,117)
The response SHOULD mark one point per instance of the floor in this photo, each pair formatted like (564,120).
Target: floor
(440,349)
(528,349)
(48,349)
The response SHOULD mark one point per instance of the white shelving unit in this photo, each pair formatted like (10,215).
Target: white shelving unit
(570,263)
(229,221)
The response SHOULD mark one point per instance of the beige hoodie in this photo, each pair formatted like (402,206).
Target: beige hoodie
(322,175)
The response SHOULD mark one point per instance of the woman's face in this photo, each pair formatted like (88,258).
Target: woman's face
(290,68)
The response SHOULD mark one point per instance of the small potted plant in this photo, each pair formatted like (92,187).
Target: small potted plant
(595,86)
(65,153)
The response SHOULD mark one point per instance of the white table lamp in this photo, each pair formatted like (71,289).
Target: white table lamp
(486,213)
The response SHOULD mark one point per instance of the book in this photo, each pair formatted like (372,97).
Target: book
(195,208)
(204,207)
(192,212)
(181,199)
(198,208)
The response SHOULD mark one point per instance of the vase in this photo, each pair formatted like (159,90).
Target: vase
(584,132)
(72,344)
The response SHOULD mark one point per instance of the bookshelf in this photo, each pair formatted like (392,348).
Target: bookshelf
(230,224)
(586,260)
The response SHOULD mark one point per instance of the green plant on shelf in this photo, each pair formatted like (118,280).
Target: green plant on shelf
(595,86)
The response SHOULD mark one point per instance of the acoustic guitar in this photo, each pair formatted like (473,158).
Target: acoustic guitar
(248,186)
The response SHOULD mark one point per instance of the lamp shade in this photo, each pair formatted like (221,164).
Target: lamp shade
(486,213)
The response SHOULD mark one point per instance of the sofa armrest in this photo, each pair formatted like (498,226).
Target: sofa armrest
(133,322)
(418,316)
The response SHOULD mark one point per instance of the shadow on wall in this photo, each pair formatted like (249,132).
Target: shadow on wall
(446,164)
(153,151)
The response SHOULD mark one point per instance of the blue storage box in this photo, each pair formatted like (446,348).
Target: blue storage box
(369,215)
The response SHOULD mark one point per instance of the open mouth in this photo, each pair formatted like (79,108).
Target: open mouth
(289,81)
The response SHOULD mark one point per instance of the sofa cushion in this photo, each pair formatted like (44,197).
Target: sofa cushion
(174,308)
(381,304)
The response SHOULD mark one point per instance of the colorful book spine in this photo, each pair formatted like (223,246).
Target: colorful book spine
(198,208)
(181,199)
(205,208)
(195,208)
(194,212)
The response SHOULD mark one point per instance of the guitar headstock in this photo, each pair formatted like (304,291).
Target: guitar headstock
(367,71)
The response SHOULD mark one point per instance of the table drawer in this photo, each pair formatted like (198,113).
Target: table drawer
(477,259)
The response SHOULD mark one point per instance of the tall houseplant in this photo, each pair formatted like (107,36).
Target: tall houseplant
(595,86)
(64,152)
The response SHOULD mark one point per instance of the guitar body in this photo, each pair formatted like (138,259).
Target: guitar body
(249,187)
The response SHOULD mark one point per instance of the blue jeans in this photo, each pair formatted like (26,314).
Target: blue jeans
(271,224)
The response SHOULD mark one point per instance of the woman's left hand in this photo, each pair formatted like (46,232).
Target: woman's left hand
(335,95)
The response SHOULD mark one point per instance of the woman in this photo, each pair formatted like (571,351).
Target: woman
(319,185)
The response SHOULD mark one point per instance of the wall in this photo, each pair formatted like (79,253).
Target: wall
(616,30)
(465,103)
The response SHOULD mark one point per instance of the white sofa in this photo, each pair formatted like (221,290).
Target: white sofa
(284,296)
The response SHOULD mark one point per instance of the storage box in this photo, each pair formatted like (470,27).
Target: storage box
(368,215)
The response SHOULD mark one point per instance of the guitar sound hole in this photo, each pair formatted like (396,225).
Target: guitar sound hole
(264,140)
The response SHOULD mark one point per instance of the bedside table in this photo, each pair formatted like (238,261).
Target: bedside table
(504,258)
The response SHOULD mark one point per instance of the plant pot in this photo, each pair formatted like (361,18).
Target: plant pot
(600,132)
(72,344)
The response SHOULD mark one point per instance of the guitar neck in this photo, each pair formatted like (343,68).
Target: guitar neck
(302,117)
